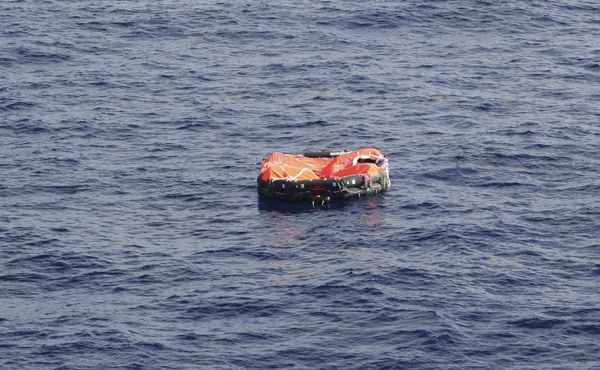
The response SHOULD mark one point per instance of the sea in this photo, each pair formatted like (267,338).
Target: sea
(132,235)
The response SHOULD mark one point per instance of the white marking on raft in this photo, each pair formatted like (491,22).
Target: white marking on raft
(299,173)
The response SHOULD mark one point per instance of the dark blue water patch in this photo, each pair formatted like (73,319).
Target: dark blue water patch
(23,277)
(4,61)
(34,55)
(590,329)
(225,308)
(260,253)
(249,35)
(200,125)
(58,189)
(93,26)
(16,106)
(537,323)
(578,8)
(490,107)
(519,132)
(503,184)
(56,261)
(100,278)
(186,197)
(453,175)
(376,19)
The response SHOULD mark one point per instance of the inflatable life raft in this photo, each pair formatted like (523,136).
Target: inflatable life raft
(322,176)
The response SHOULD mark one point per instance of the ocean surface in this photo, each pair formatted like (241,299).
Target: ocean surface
(132,236)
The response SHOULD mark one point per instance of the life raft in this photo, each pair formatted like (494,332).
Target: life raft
(322,176)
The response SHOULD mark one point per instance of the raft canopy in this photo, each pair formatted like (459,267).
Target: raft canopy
(323,175)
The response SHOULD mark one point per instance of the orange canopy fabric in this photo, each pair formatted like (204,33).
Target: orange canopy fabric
(299,168)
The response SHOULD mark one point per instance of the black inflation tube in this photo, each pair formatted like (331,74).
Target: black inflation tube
(322,154)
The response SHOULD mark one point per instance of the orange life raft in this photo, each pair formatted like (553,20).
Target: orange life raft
(322,176)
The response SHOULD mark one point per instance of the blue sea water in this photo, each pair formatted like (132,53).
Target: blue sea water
(131,234)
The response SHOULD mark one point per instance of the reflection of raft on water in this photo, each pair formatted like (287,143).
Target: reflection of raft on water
(322,176)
